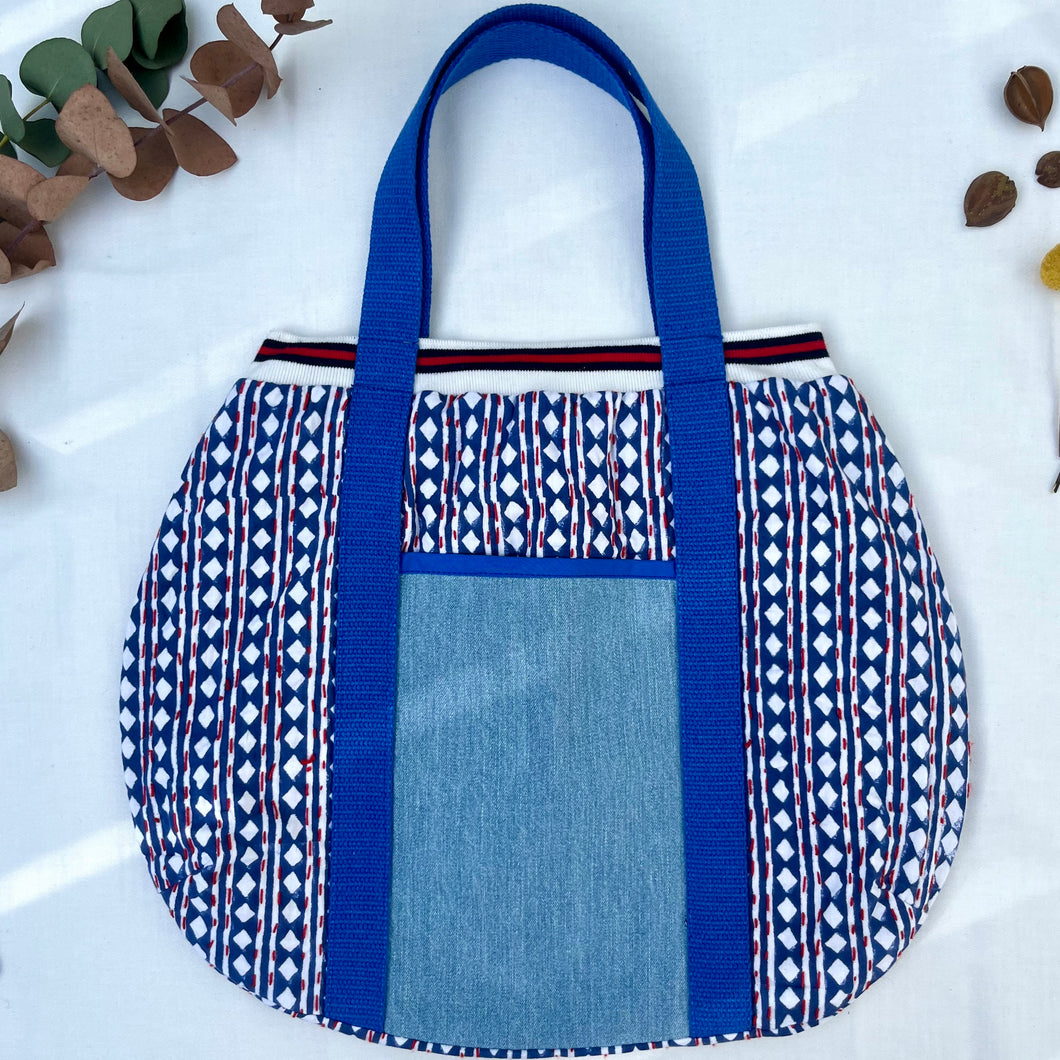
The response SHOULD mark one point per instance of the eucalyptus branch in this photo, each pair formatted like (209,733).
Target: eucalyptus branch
(5,139)
(230,74)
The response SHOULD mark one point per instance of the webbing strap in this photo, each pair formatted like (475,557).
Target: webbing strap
(395,310)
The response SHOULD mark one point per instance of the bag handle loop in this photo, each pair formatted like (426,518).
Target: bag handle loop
(394,312)
(681,280)
(475,57)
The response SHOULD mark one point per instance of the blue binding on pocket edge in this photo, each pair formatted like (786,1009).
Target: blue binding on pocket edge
(465,564)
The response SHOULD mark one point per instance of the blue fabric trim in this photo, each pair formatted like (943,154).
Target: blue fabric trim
(532,566)
(368,578)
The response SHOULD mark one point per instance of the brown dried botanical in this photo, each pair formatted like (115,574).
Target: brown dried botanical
(8,471)
(140,162)
(236,28)
(7,329)
(217,96)
(290,29)
(89,125)
(1029,95)
(51,198)
(989,198)
(31,254)
(286,10)
(129,89)
(155,166)
(1048,170)
(16,179)
(8,468)
(198,148)
(76,165)
(227,66)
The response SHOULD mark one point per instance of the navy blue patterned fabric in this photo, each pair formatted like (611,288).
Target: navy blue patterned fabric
(852,691)
(227,685)
(539,474)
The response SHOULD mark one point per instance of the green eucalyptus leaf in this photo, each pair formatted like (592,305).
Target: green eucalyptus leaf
(152,18)
(42,141)
(9,150)
(172,46)
(56,69)
(109,27)
(155,83)
(10,119)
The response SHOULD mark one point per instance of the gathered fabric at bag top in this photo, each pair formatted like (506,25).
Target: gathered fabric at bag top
(534,696)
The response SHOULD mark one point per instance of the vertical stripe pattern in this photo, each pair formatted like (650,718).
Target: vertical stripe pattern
(603,495)
(854,689)
(852,673)
(226,690)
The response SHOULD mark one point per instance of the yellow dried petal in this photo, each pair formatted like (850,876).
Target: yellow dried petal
(1051,268)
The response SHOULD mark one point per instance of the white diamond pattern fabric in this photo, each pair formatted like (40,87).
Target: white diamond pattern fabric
(856,741)
(226,689)
(854,695)
(539,474)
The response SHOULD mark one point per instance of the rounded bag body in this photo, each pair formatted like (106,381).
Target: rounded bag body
(505,783)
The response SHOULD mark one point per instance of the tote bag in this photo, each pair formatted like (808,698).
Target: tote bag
(531,697)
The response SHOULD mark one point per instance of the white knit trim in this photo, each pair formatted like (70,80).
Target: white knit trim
(521,381)
(747,335)
(500,381)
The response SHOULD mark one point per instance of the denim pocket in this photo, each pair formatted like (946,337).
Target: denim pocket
(537,895)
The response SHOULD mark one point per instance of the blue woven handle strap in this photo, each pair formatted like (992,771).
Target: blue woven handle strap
(395,309)
(481,54)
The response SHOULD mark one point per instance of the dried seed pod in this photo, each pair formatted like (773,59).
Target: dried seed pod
(1048,170)
(1029,95)
(989,198)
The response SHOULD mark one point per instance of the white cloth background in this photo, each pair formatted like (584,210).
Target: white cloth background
(834,142)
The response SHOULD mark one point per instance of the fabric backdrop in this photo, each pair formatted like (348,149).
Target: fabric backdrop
(834,143)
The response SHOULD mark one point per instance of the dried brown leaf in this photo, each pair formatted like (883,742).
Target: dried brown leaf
(16,179)
(5,269)
(8,471)
(216,96)
(198,148)
(50,199)
(236,28)
(155,166)
(128,88)
(89,125)
(76,165)
(285,10)
(7,329)
(33,253)
(218,62)
(290,29)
